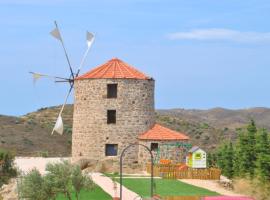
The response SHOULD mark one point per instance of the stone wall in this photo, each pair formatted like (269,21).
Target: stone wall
(171,150)
(135,114)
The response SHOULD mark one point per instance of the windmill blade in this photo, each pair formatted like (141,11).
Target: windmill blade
(89,40)
(56,34)
(37,76)
(59,126)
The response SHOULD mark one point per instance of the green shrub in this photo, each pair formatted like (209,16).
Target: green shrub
(28,142)
(33,186)
(68,130)
(204,126)
(70,142)
(44,154)
(61,178)
(6,166)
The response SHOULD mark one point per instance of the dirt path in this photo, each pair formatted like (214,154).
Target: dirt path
(107,185)
(210,185)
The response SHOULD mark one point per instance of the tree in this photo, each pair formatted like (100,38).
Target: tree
(221,156)
(263,156)
(61,177)
(209,160)
(32,186)
(245,154)
(80,181)
(251,145)
(59,174)
(7,170)
(228,161)
(225,159)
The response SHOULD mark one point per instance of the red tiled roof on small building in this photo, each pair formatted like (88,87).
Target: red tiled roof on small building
(159,132)
(114,68)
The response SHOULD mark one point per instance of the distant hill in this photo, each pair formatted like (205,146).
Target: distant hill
(30,135)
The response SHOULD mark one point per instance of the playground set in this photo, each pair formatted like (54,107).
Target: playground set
(180,153)
(179,160)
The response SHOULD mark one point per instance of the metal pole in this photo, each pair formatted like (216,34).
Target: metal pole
(152,169)
(62,42)
(121,173)
(152,173)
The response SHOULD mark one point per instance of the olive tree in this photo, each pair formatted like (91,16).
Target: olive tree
(61,178)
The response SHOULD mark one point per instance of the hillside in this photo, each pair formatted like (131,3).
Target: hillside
(29,135)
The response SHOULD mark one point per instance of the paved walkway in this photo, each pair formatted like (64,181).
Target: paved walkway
(26,164)
(107,185)
(210,185)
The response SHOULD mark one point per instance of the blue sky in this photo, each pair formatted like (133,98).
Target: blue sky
(202,53)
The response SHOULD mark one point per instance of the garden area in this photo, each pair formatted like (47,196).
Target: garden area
(165,187)
(62,181)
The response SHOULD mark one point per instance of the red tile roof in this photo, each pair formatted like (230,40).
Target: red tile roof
(114,68)
(159,132)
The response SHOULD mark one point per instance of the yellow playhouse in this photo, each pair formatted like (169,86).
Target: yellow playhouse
(196,158)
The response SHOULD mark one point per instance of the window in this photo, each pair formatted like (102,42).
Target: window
(111,149)
(198,156)
(112,91)
(154,146)
(111,116)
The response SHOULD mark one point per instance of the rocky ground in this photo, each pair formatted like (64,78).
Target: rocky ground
(9,191)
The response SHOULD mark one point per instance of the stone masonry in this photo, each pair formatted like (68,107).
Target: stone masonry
(171,150)
(135,114)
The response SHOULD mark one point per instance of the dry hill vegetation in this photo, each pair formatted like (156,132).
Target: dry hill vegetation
(29,135)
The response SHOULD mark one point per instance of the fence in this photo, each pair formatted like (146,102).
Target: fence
(176,171)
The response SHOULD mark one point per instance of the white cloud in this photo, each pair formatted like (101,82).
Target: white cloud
(215,34)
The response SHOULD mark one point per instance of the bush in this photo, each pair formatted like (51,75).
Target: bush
(252,187)
(60,178)
(43,154)
(6,166)
(33,186)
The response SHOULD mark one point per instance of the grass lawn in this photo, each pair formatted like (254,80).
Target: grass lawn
(165,187)
(96,194)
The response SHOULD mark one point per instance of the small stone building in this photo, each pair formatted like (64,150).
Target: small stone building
(164,143)
(113,106)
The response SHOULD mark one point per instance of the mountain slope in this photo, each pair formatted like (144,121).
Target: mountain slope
(30,135)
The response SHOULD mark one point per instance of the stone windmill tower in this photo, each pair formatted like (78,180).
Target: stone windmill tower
(114,104)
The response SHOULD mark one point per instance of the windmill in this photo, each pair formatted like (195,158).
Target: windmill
(59,127)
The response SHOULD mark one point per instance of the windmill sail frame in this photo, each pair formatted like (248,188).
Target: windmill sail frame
(59,126)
